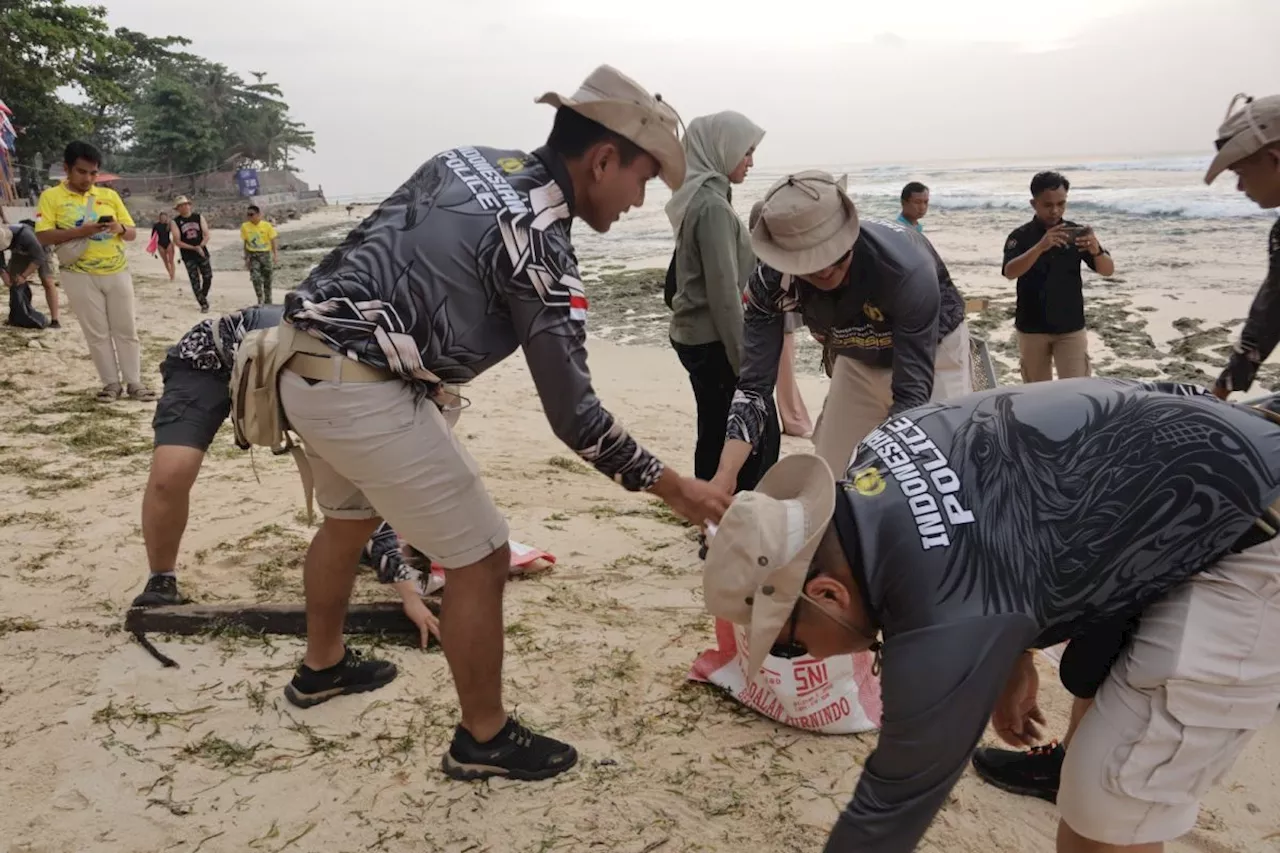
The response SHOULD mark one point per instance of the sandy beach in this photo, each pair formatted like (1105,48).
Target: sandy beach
(102,749)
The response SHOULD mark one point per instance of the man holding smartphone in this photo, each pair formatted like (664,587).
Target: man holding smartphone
(1045,257)
(87,226)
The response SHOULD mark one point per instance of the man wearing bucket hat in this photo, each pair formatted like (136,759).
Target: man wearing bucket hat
(1249,145)
(468,260)
(877,295)
(1134,521)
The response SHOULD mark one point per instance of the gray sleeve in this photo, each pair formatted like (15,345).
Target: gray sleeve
(26,243)
(761,351)
(1261,330)
(716,234)
(551,327)
(913,306)
(939,686)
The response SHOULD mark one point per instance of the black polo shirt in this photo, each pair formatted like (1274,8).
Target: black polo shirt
(1051,293)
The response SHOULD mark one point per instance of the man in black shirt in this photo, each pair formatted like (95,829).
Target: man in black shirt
(972,531)
(191,233)
(1045,256)
(1249,145)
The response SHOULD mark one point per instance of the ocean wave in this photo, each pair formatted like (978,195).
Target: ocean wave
(1167,202)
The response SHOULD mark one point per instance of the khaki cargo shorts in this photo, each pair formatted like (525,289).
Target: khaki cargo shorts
(860,397)
(1201,676)
(377,449)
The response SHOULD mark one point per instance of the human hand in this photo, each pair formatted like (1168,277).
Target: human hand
(92,229)
(1088,242)
(725,481)
(418,612)
(695,500)
(1017,718)
(1220,391)
(1053,238)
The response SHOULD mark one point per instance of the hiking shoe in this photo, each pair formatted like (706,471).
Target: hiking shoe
(1034,773)
(352,674)
(159,591)
(54,324)
(515,752)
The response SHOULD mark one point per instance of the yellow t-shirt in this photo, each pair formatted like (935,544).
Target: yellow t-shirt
(257,237)
(60,207)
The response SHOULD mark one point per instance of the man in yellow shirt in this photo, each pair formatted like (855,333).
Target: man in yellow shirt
(87,225)
(259,238)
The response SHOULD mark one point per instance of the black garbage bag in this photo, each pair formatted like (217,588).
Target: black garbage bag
(22,312)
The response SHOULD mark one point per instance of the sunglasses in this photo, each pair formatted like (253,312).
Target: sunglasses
(792,647)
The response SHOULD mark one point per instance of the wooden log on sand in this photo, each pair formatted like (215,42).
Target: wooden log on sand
(384,617)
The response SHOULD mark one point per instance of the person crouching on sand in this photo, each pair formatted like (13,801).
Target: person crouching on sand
(876,294)
(969,533)
(1248,144)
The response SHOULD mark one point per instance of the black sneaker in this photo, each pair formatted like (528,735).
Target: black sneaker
(54,324)
(515,752)
(1034,773)
(159,591)
(349,675)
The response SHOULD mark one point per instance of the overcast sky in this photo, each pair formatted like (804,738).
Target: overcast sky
(384,84)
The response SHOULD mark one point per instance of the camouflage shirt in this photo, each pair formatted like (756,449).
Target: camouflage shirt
(469,260)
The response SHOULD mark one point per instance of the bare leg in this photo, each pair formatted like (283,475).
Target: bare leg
(1071,842)
(51,298)
(472,636)
(166,503)
(327,578)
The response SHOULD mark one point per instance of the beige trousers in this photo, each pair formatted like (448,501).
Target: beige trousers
(1200,676)
(104,306)
(1041,353)
(860,397)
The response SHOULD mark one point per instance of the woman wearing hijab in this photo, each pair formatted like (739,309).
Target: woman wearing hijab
(713,260)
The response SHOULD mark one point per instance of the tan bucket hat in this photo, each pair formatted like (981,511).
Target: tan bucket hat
(181,200)
(808,222)
(759,556)
(1245,132)
(614,100)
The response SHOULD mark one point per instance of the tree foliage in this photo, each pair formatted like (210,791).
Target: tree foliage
(146,102)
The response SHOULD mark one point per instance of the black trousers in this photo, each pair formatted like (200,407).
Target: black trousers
(200,273)
(714,382)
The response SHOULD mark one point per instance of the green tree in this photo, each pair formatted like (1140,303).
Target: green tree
(175,130)
(119,81)
(46,45)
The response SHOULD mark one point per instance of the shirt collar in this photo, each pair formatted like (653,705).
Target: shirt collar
(559,173)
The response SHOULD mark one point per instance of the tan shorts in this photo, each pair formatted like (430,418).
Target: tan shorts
(376,451)
(860,396)
(1040,354)
(1201,676)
